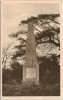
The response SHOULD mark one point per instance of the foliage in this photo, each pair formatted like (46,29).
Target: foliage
(49,70)
(47,31)
(6,75)
(14,74)
(16,70)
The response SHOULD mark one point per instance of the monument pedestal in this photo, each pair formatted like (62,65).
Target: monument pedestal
(30,75)
(29,82)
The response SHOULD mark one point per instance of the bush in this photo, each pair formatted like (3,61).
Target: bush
(15,74)
(49,70)
(6,75)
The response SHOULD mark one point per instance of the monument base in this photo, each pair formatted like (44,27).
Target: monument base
(29,82)
(30,74)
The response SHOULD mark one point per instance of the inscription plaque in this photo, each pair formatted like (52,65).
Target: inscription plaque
(30,72)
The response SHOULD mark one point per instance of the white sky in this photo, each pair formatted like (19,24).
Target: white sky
(13,13)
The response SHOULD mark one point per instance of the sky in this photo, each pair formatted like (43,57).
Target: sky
(13,13)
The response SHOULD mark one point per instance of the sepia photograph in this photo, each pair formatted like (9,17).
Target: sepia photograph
(30,43)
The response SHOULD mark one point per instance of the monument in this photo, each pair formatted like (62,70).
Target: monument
(31,67)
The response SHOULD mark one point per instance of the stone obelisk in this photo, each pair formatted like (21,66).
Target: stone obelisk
(31,67)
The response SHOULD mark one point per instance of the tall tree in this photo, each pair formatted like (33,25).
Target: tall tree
(47,30)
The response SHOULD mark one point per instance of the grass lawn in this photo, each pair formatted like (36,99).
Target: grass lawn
(37,90)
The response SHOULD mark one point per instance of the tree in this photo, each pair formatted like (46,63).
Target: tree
(6,55)
(46,28)
(44,22)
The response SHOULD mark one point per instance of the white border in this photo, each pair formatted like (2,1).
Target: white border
(33,97)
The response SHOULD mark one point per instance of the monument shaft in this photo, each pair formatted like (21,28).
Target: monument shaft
(31,67)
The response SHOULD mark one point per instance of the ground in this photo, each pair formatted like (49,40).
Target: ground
(49,80)
(36,90)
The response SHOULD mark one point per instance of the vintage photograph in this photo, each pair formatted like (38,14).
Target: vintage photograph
(30,49)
